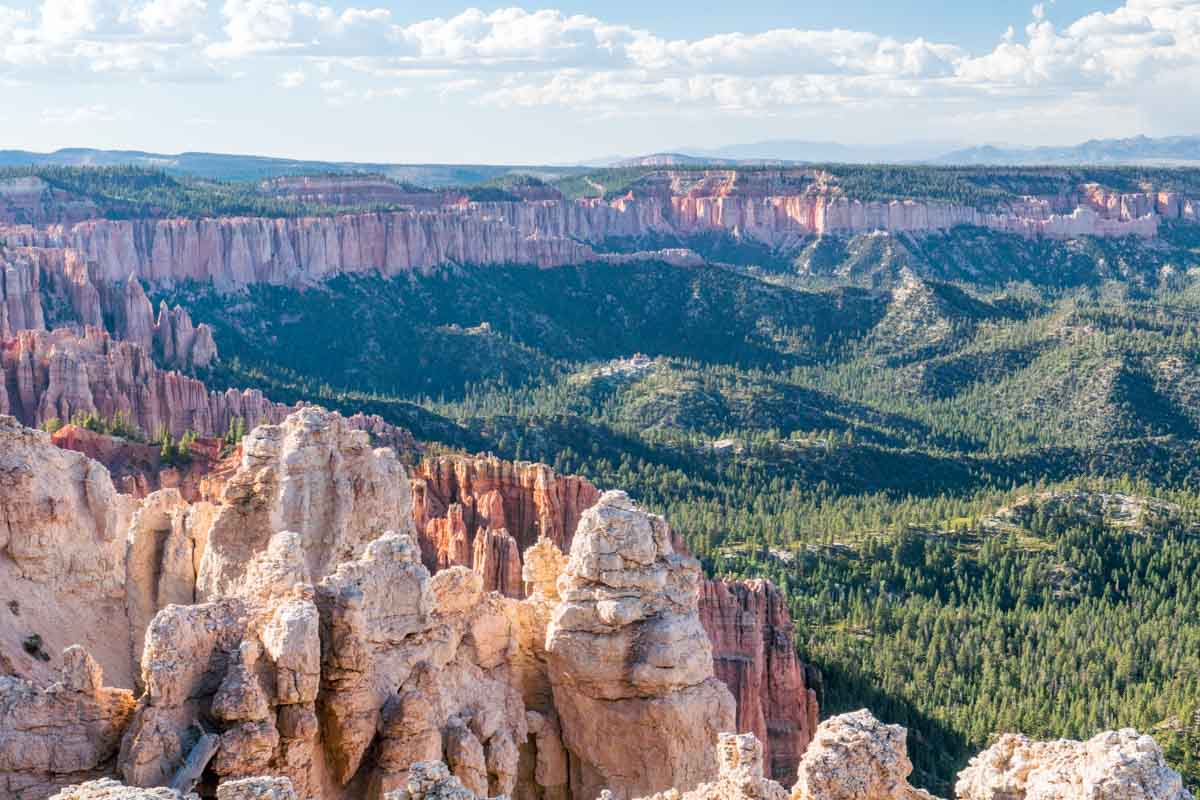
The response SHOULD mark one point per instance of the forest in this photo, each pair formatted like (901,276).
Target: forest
(136,191)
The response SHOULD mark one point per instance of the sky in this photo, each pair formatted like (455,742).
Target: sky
(442,81)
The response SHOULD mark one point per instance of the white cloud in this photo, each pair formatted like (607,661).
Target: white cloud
(67,19)
(552,58)
(292,80)
(169,16)
(77,116)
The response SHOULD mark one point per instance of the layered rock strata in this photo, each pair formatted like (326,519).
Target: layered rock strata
(58,374)
(628,658)
(778,209)
(43,288)
(527,500)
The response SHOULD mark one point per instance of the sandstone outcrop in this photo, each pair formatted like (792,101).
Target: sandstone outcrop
(1115,764)
(138,469)
(459,500)
(325,653)
(856,757)
(61,734)
(527,500)
(313,475)
(109,789)
(61,373)
(740,761)
(43,288)
(628,657)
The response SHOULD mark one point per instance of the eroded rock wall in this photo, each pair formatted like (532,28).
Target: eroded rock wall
(777,209)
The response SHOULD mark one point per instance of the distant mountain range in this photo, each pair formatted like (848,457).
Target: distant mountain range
(1173,150)
(223,166)
(1182,150)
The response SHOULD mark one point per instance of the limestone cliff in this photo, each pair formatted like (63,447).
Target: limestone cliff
(778,209)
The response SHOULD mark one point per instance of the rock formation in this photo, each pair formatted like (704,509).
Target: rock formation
(740,760)
(755,655)
(40,287)
(61,373)
(31,200)
(137,468)
(58,374)
(528,501)
(43,288)
(291,631)
(856,757)
(460,501)
(628,657)
(109,789)
(64,733)
(289,643)
(62,559)
(1115,764)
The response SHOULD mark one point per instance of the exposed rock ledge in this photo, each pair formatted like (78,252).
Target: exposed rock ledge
(854,757)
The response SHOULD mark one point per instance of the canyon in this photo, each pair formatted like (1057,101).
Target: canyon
(324,609)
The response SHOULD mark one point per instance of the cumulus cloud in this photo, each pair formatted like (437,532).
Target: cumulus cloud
(159,17)
(548,57)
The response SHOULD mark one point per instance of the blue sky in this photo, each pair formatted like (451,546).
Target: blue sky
(494,82)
